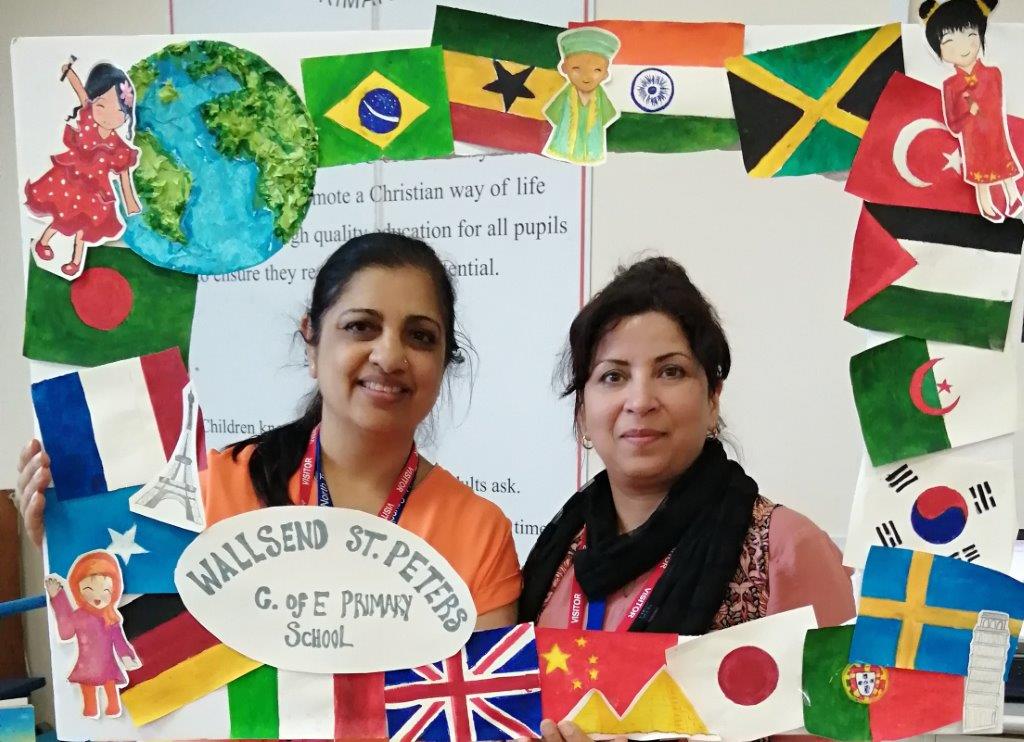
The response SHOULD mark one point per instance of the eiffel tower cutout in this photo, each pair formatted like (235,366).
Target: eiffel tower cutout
(178,483)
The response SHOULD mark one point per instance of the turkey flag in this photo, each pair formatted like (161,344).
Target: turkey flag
(909,158)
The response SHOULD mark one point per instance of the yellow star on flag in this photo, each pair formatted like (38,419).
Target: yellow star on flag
(556,659)
(581,642)
(576,685)
(593,674)
(346,111)
(593,659)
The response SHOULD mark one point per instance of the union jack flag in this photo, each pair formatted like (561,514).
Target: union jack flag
(490,690)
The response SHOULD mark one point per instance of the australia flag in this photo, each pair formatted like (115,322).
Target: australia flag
(490,690)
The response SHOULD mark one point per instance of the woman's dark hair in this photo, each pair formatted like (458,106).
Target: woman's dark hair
(278,452)
(102,78)
(651,285)
(954,15)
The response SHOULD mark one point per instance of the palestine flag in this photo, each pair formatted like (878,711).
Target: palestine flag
(803,109)
(390,104)
(845,701)
(937,275)
(917,396)
(501,74)
(120,307)
(669,83)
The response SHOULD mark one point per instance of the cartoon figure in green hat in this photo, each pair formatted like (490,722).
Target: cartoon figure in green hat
(581,111)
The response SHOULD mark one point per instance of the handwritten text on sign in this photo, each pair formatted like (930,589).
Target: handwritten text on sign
(325,590)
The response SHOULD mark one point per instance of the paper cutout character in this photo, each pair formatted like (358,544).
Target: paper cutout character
(95,626)
(581,111)
(76,194)
(972,102)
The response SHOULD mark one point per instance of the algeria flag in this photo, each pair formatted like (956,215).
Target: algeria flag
(745,681)
(918,396)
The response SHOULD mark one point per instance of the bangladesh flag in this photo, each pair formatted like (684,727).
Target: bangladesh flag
(501,74)
(847,701)
(918,396)
(668,82)
(938,275)
(804,108)
(120,307)
(387,104)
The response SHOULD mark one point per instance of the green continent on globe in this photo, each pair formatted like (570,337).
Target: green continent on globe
(267,121)
(263,121)
(163,187)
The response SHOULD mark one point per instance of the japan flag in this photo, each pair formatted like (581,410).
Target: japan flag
(745,681)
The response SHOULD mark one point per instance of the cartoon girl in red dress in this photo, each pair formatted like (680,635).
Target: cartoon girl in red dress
(95,625)
(972,100)
(76,193)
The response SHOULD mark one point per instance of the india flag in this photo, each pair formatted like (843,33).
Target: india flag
(670,85)
(112,426)
(919,396)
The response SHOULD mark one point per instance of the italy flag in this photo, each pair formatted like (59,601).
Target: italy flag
(669,82)
(918,396)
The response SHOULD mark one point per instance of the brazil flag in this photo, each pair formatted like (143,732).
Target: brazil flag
(390,104)
(120,307)
(803,109)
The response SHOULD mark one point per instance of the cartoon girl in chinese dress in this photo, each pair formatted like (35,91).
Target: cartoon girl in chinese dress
(972,100)
(76,193)
(95,583)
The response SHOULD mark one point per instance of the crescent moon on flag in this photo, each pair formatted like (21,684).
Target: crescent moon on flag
(901,148)
(918,398)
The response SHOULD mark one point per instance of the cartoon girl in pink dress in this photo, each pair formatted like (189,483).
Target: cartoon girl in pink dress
(972,100)
(76,193)
(95,625)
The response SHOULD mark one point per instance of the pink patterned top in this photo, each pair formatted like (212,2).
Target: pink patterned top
(787,562)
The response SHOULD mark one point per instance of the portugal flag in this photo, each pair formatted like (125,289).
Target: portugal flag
(854,701)
(803,108)
(501,74)
(917,396)
(909,158)
(120,307)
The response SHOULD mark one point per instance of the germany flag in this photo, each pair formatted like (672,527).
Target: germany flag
(803,109)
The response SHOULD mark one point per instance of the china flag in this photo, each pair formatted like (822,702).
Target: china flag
(613,683)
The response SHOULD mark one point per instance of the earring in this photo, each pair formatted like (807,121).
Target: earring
(712,434)
(586,442)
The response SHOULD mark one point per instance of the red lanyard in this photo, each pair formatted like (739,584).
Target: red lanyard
(311,470)
(592,615)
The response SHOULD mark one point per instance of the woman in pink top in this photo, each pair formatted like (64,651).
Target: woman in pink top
(673,536)
(95,625)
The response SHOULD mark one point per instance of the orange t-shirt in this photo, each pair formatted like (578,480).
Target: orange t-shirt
(472,533)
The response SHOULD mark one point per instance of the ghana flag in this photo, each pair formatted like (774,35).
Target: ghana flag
(120,307)
(803,108)
(856,701)
(390,104)
(501,74)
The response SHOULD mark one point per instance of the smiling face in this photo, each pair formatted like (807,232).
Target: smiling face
(106,110)
(961,48)
(585,70)
(97,591)
(380,358)
(646,404)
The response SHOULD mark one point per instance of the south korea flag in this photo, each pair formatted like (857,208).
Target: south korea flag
(950,504)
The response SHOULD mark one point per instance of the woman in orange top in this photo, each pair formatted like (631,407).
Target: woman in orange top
(380,336)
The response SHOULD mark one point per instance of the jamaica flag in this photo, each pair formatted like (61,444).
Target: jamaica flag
(388,104)
(803,109)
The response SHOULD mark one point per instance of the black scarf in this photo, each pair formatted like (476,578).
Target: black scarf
(705,518)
